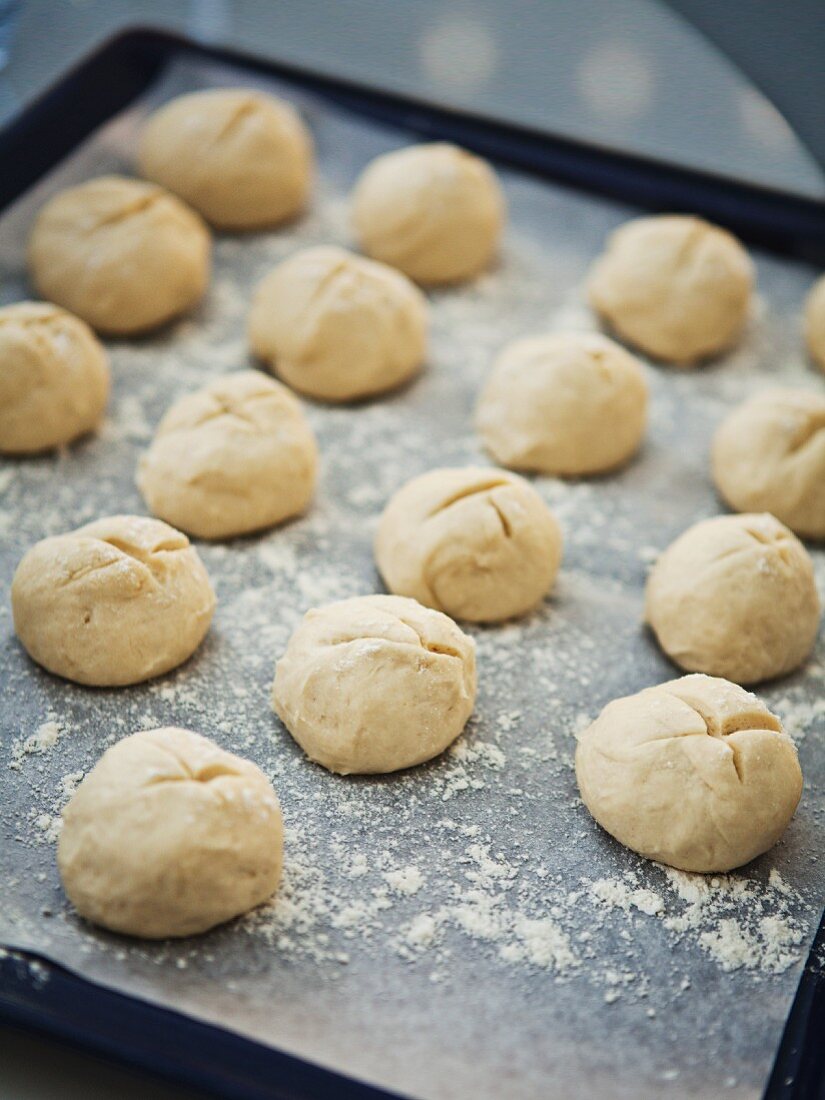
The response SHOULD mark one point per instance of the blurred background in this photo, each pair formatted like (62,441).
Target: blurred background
(641,75)
(735,87)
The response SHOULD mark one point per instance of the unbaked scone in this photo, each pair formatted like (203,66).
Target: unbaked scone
(234,457)
(54,378)
(436,212)
(569,405)
(168,835)
(338,327)
(675,286)
(242,158)
(375,684)
(124,255)
(696,773)
(116,602)
(476,543)
(769,456)
(815,322)
(735,596)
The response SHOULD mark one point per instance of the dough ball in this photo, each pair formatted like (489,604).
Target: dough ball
(54,378)
(243,159)
(567,405)
(735,596)
(769,455)
(116,602)
(476,543)
(434,211)
(815,322)
(674,286)
(338,327)
(169,835)
(122,254)
(696,773)
(236,456)
(374,684)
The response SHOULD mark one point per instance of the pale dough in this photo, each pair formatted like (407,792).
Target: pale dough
(769,456)
(122,254)
(436,212)
(242,158)
(338,327)
(735,596)
(116,602)
(570,405)
(696,773)
(169,835)
(375,683)
(234,457)
(677,287)
(474,542)
(54,378)
(815,322)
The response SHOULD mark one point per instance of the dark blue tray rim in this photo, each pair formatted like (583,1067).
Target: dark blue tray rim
(125,65)
(42,997)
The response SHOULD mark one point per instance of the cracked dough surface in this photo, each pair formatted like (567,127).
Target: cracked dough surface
(696,773)
(675,286)
(116,602)
(735,596)
(242,158)
(375,684)
(475,542)
(234,457)
(338,327)
(124,255)
(769,455)
(54,378)
(169,835)
(434,211)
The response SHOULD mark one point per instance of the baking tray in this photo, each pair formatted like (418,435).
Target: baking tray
(463,928)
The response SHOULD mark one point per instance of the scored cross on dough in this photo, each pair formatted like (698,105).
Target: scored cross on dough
(116,602)
(375,684)
(696,773)
(242,158)
(54,378)
(476,543)
(769,454)
(124,255)
(735,596)
(236,456)
(434,211)
(169,835)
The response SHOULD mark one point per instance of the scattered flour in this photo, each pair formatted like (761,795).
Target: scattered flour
(739,922)
(358,865)
(772,946)
(406,880)
(421,932)
(544,944)
(43,739)
(798,716)
(617,893)
(49,826)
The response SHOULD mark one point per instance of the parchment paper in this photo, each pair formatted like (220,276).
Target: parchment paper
(463,929)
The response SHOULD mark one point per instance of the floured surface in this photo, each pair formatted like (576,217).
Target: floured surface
(463,928)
